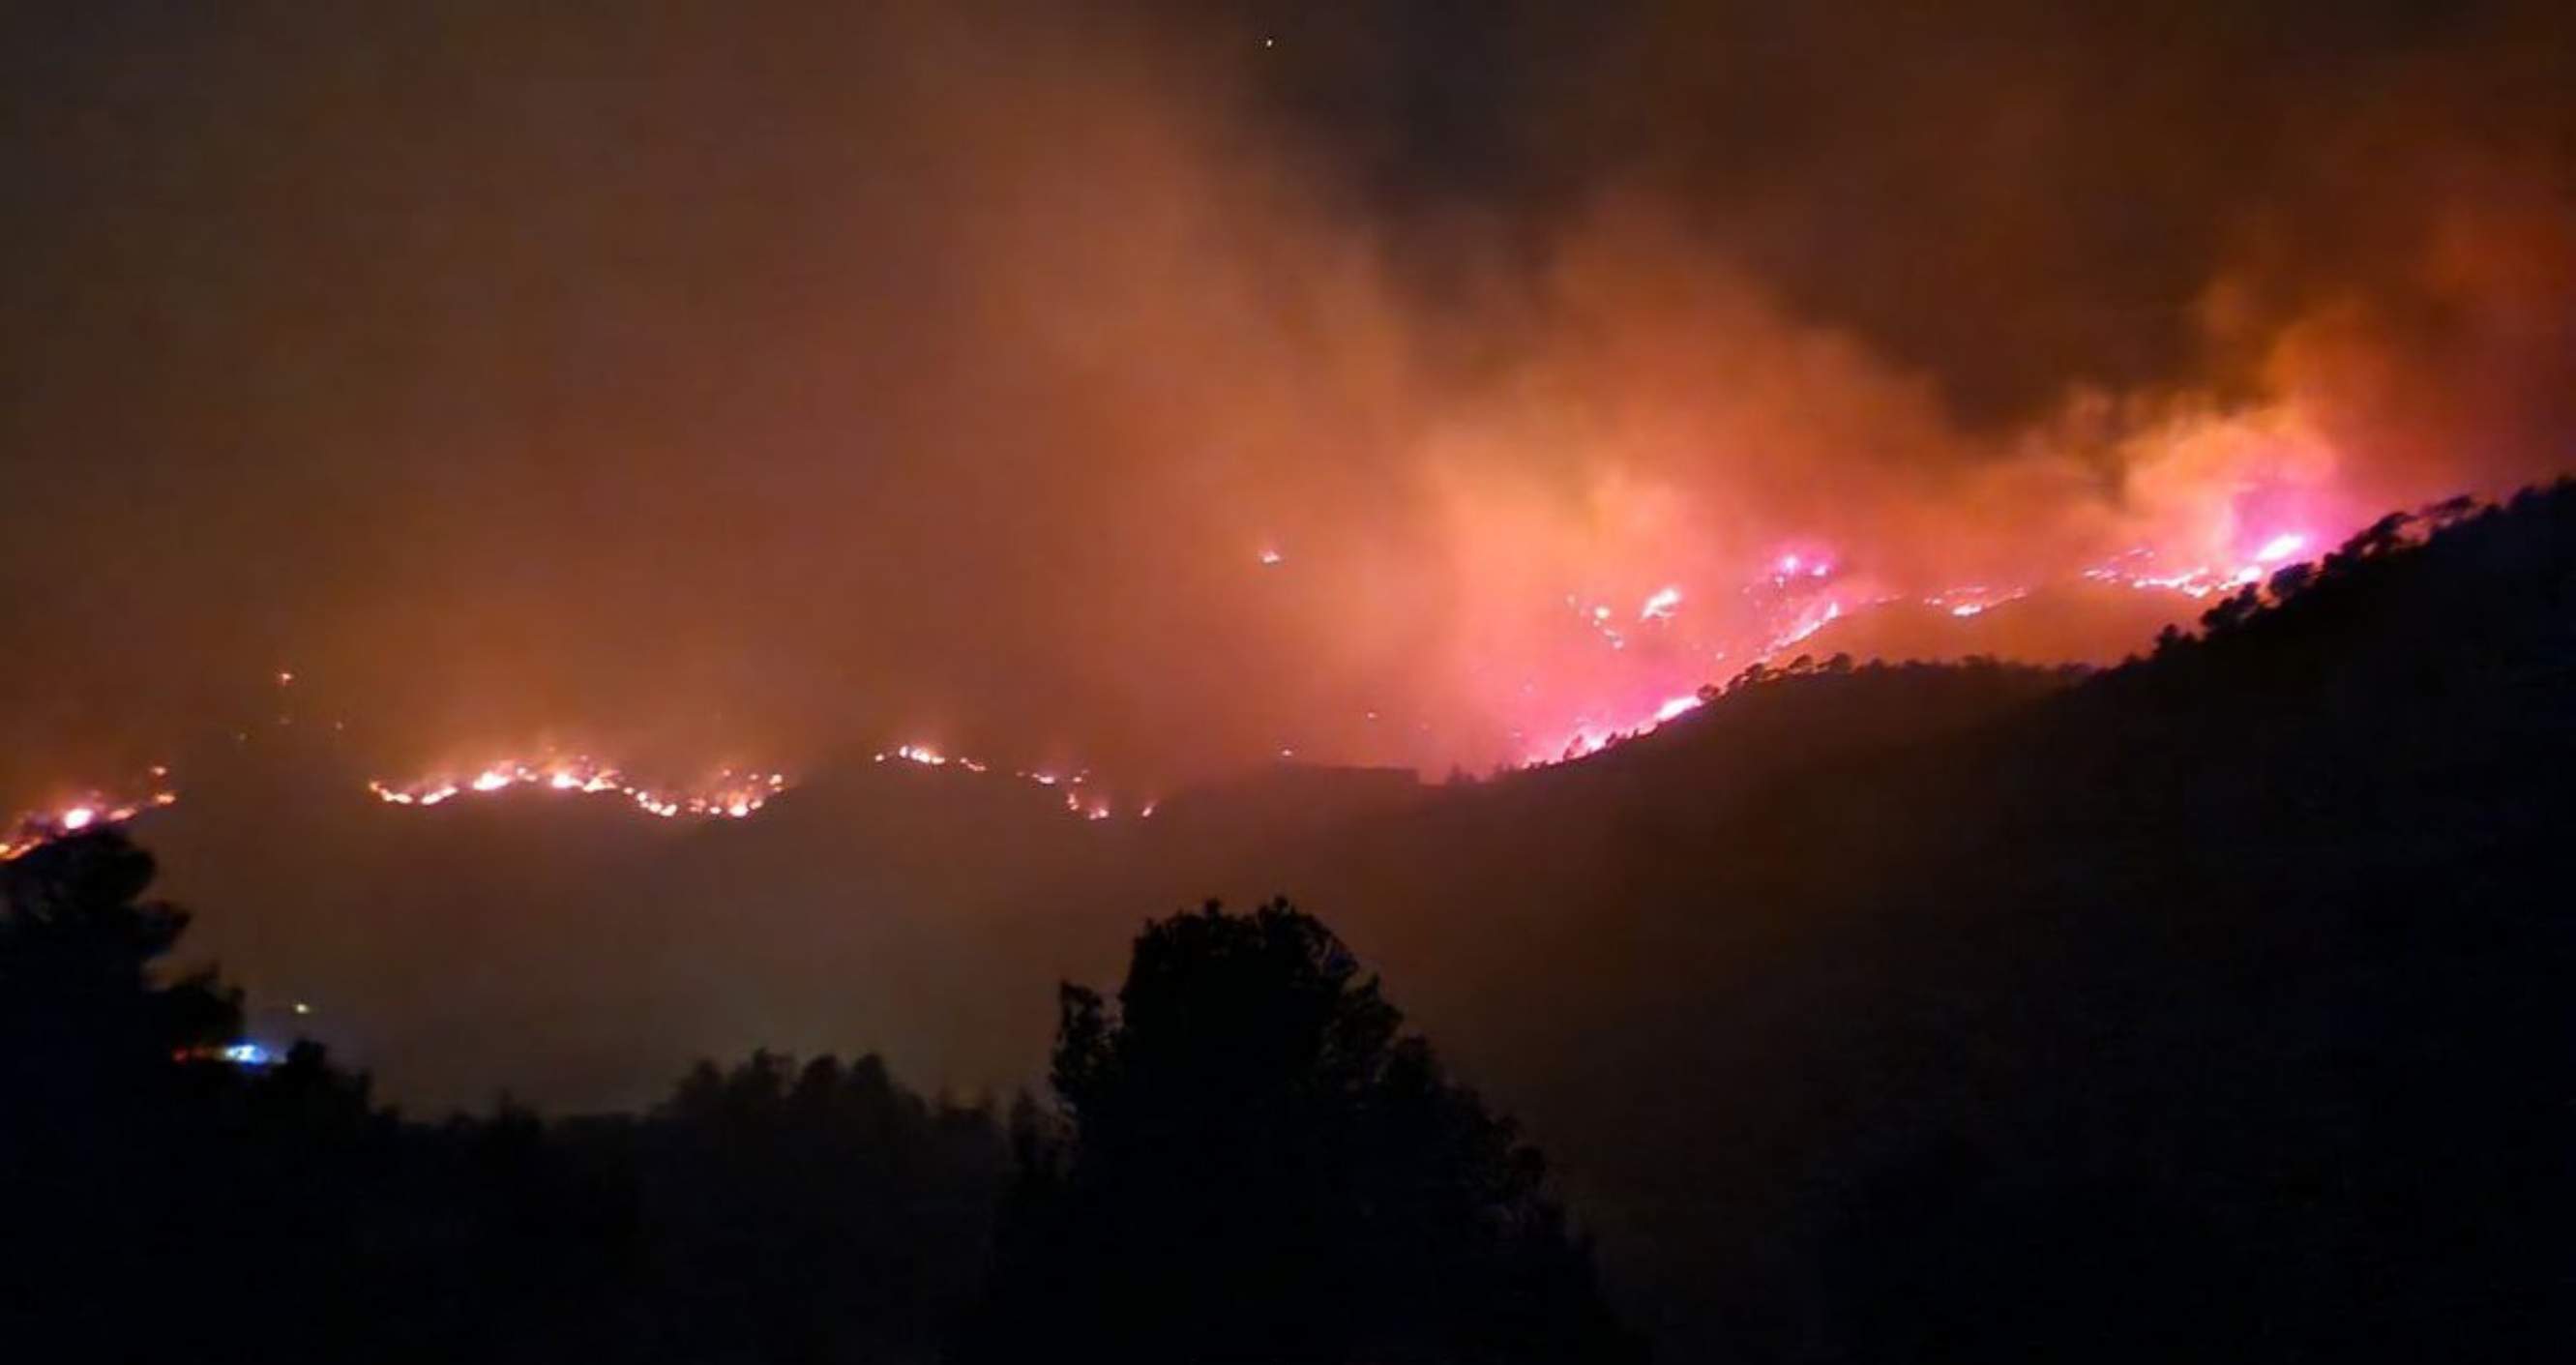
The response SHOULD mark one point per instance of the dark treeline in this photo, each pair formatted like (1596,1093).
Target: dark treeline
(1246,1161)
(164,1202)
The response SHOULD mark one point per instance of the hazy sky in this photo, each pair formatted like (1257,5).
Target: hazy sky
(738,381)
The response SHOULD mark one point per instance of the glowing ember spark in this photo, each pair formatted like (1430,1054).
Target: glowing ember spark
(1975,600)
(1270,558)
(2280,547)
(1809,625)
(1660,604)
(1676,707)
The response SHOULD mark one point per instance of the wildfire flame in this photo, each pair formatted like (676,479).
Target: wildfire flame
(927,756)
(1797,593)
(1794,594)
(733,795)
(90,810)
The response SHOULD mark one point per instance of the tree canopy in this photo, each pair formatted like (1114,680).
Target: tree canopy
(1257,1164)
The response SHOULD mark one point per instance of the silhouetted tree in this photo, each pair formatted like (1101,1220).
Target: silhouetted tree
(1259,1168)
(156,1199)
(83,1021)
(99,1117)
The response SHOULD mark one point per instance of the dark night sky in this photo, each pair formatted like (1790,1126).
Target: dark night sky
(741,381)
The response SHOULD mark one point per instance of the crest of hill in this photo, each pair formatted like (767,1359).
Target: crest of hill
(1986,1009)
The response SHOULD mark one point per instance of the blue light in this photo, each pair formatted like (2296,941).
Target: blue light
(248,1054)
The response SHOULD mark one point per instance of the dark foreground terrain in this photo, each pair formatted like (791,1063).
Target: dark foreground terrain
(2211,1007)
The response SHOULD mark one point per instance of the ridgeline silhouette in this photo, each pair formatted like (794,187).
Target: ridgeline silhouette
(2210,1007)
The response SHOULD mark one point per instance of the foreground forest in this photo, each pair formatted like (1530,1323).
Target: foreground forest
(1244,1135)
(2207,1007)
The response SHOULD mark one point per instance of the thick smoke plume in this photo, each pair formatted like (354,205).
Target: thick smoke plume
(1158,390)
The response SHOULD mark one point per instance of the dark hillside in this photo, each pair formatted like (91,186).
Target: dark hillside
(2210,1006)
